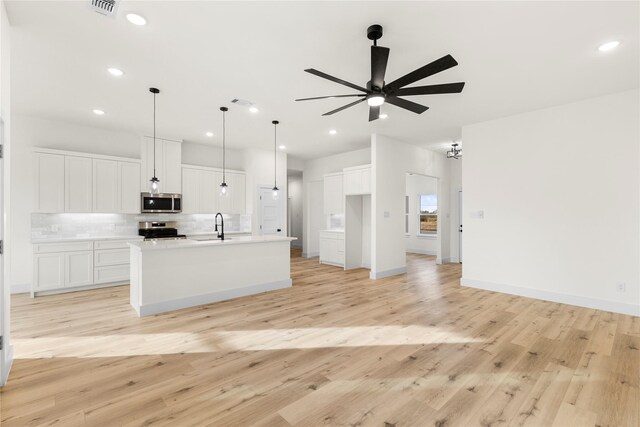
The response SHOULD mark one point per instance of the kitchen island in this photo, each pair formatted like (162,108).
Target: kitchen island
(175,274)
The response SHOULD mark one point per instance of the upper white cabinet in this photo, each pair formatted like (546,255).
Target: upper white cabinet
(80,182)
(168,162)
(77,184)
(128,187)
(333,194)
(357,180)
(201,191)
(49,181)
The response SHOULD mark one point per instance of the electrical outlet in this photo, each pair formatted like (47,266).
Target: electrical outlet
(622,287)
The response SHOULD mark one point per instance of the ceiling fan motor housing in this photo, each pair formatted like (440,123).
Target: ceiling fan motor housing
(374,32)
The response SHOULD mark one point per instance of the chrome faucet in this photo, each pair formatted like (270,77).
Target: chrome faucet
(220,233)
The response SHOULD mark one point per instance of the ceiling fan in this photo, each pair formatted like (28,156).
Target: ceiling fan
(378,92)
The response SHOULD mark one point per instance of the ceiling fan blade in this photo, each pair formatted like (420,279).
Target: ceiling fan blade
(335,79)
(344,107)
(407,105)
(434,67)
(374,113)
(332,96)
(379,58)
(431,90)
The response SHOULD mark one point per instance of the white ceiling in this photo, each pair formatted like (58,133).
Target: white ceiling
(514,57)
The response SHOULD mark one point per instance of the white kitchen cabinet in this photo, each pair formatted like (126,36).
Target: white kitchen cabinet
(50,184)
(105,186)
(62,267)
(168,161)
(357,180)
(78,269)
(201,191)
(48,271)
(332,247)
(78,188)
(128,187)
(333,194)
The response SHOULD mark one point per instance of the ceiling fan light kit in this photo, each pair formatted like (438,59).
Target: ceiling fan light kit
(377,92)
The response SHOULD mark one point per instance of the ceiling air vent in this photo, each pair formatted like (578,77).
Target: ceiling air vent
(104,7)
(242,102)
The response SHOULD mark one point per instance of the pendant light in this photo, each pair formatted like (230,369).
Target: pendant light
(454,152)
(224,188)
(155,182)
(275,158)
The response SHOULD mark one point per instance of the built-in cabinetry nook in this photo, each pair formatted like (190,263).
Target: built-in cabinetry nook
(201,190)
(346,242)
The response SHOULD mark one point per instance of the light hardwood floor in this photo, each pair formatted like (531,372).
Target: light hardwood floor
(336,349)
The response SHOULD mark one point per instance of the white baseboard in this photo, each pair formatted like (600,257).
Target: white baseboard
(165,306)
(452,260)
(421,251)
(310,254)
(387,273)
(4,375)
(20,288)
(580,301)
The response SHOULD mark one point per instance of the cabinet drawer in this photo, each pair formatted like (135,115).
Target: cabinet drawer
(112,244)
(39,248)
(106,257)
(115,273)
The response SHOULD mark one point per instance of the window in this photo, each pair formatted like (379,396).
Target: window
(428,216)
(406,214)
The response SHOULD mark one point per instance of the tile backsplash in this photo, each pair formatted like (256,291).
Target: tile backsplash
(57,226)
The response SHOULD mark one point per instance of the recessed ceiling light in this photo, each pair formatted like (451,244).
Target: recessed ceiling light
(383,116)
(98,112)
(136,19)
(282,147)
(115,72)
(609,46)
(333,132)
(253,109)
(209,134)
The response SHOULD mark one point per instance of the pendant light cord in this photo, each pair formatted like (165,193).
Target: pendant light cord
(224,150)
(154,135)
(275,155)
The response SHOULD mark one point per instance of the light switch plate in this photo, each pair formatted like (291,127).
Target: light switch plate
(387,214)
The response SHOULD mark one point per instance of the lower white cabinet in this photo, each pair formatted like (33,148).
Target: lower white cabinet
(65,266)
(332,247)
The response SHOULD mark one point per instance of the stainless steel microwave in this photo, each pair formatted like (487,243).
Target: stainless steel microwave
(160,203)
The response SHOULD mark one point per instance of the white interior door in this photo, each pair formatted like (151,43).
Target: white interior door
(270,212)
(4,293)
(460,226)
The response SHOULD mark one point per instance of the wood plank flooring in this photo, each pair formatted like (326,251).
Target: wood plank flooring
(337,349)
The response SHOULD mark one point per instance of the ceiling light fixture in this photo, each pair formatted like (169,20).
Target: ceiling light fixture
(98,112)
(383,116)
(282,147)
(375,100)
(609,46)
(115,72)
(275,159)
(136,19)
(155,182)
(253,109)
(454,152)
(209,134)
(332,132)
(224,188)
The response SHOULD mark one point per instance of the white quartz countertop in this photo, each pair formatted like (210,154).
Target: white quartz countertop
(215,233)
(84,239)
(190,243)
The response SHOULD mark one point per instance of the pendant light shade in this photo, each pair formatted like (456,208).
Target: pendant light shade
(275,189)
(224,188)
(155,182)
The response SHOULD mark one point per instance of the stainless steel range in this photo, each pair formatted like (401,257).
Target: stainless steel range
(159,230)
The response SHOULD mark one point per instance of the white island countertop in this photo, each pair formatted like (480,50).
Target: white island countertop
(197,242)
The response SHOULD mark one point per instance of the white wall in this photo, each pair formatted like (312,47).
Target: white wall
(295,208)
(560,193)
(5,113)
(455,185)
(313,187)
(415,243)
(210,156)
(391,160)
